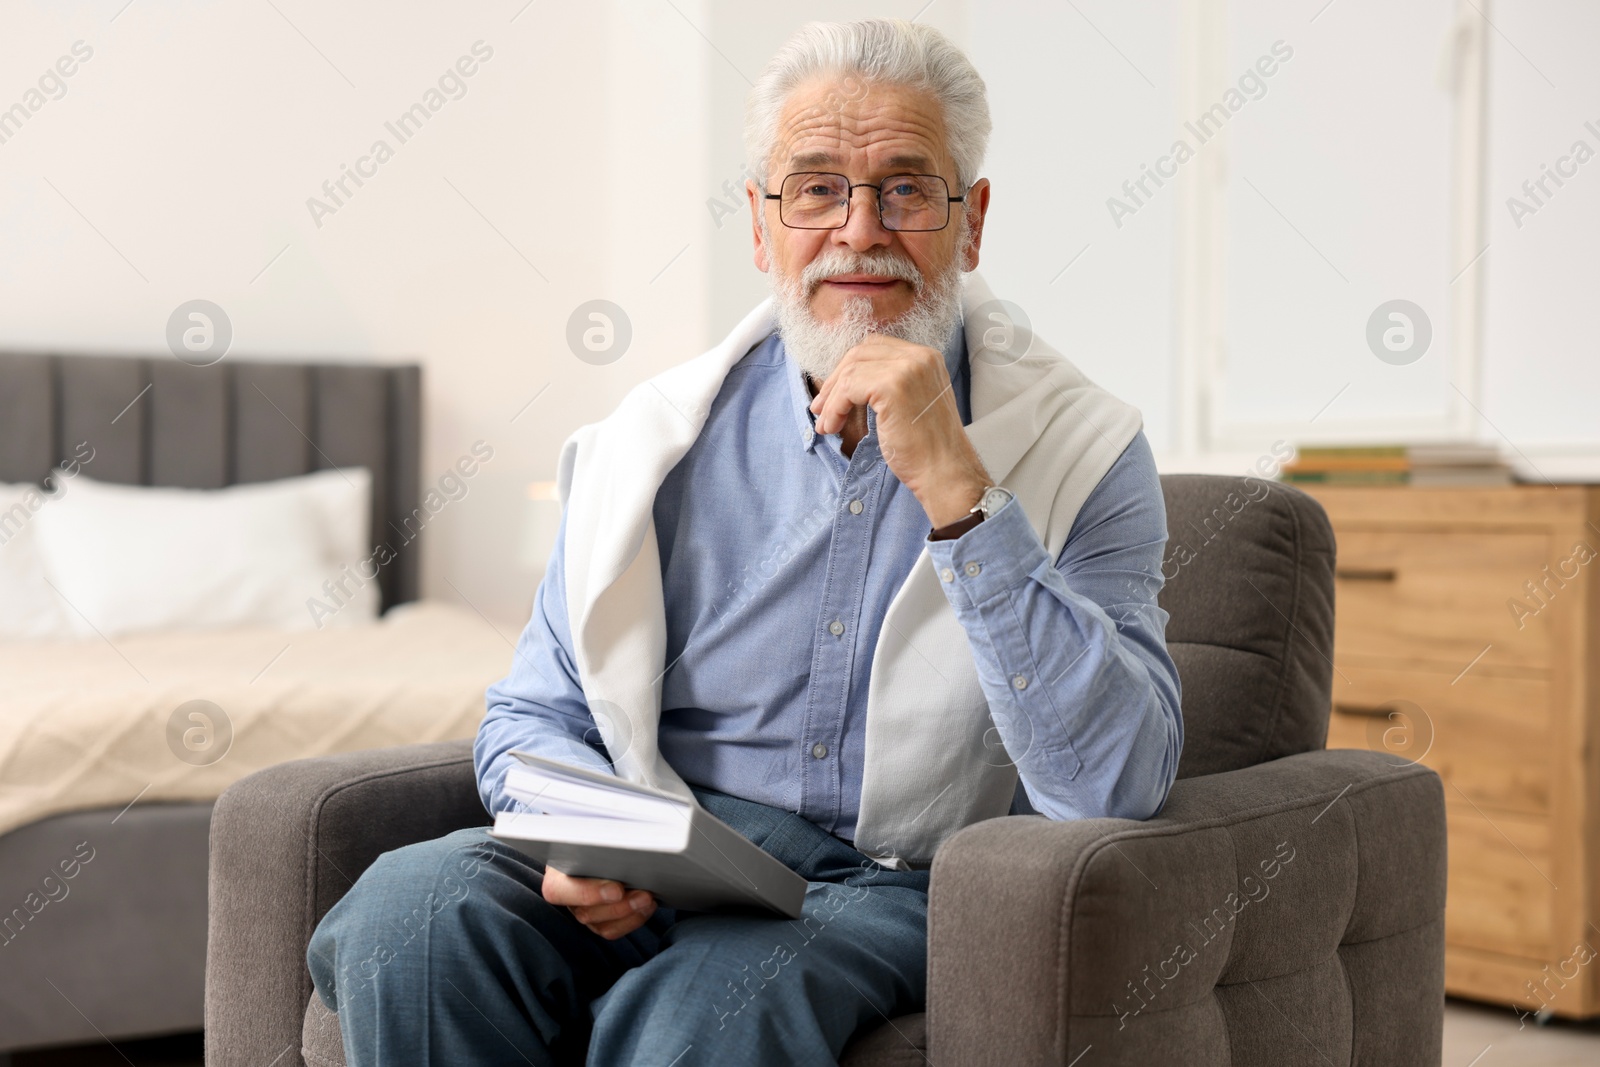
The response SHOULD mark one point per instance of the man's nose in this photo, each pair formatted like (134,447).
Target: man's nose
(864,229)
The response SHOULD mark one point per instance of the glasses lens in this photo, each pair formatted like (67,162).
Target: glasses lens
(914,202)
(815,201)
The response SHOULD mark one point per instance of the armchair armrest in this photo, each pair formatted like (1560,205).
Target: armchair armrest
(286,844)
(1296,903)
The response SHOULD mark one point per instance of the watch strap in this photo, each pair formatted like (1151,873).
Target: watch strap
(951,531)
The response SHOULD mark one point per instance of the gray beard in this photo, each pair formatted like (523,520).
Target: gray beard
(818,347)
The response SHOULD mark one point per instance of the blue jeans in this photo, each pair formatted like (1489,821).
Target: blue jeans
(445,952)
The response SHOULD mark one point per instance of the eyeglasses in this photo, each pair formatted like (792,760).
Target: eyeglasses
(907,203)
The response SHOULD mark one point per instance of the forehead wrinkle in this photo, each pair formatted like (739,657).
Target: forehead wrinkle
(878,124)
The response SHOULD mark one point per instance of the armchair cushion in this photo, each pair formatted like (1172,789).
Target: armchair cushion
(1289,912)
(286,843)
(1249,595)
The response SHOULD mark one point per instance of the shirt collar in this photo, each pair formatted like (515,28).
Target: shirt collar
(955,356)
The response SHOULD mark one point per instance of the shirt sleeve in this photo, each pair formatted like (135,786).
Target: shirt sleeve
(539,707)
(1072,653)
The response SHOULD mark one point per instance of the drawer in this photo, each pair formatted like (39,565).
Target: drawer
(1439,597)
(1488,736)
(1497,979)
(1497,901)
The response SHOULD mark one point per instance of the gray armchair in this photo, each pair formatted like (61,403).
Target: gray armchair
(1287,906)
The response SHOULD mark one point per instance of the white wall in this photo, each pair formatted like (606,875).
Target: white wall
(194,135)
(1338,198)
(1542,380)
(1082,97)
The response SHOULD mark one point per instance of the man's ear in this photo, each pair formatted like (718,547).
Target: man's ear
(763,255)
(977,205)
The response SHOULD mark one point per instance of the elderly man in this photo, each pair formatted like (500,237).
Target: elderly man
(873,569)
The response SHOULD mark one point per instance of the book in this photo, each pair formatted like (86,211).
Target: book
(1340,451)
(1454,455)
(1461,476)
(1346,477)
(1350,463)
(1425,478)
(595,825)
(1428,464)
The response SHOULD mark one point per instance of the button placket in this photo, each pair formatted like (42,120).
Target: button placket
(833,662)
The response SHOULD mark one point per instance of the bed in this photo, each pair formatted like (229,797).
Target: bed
(103,832)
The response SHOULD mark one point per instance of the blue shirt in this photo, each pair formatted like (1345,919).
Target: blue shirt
(779,558)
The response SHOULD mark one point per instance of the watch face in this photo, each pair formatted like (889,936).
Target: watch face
(994,500)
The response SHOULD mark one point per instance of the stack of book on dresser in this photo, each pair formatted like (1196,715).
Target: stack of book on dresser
(1418,464)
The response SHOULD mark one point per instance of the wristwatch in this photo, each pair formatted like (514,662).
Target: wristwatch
(993,499)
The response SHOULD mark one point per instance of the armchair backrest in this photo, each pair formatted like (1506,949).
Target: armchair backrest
(1249,591)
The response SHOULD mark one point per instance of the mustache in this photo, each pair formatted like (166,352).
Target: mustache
(842,261)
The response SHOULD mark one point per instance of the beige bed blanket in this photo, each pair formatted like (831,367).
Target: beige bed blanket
(85,724)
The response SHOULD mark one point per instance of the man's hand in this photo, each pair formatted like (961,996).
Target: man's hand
(919,425)
(608,908)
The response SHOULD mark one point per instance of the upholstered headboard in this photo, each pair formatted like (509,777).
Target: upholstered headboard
(158,421)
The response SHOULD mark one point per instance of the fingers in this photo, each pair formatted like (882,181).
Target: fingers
(612,921)
(867,350)
(560,888)
(619,927)
(638,907)
(851,385)
(635,903)
(869,373)
(607,907)
(835,400)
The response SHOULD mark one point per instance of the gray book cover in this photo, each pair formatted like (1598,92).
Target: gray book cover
(687,857)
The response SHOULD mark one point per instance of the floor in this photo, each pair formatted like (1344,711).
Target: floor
(1474,1036)
(185,1050)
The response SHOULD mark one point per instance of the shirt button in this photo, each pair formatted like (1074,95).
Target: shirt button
(972,569)
(855,507)
(1020,682)
(836,627)
(947,575)
(819,750)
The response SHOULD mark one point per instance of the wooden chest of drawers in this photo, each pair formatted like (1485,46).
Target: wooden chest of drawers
(1466,638)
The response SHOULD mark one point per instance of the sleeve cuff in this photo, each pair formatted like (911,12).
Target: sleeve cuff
(992,558)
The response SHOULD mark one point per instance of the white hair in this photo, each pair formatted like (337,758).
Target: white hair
(885,51)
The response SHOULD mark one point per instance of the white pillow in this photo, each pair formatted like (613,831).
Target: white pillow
(29,608)
(131,558)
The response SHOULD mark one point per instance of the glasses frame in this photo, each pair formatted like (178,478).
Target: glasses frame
(850,197)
